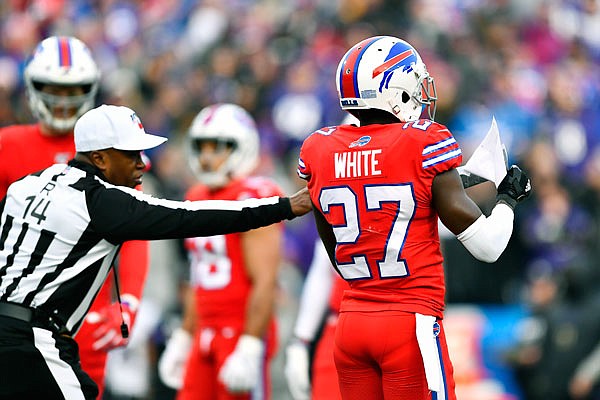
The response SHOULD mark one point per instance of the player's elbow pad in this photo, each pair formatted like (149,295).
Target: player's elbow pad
(486,238)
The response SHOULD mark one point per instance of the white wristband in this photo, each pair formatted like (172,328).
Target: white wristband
(250,345)
(314,300)
(132,301)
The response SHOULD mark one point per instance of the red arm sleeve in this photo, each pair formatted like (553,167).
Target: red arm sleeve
(5,160)
(133,267)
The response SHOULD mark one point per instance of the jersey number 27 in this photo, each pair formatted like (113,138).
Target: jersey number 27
(392,265)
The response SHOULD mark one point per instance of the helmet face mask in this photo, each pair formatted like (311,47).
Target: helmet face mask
(61,80)
(232,130)
(386,73)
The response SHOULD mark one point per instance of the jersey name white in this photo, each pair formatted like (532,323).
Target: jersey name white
(354,164)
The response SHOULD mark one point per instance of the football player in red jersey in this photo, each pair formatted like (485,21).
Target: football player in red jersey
(62,80)
(378,190)
(228,335)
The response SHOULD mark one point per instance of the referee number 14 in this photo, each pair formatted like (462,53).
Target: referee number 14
(38,210)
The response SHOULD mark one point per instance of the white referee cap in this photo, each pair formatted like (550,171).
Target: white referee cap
(114,127)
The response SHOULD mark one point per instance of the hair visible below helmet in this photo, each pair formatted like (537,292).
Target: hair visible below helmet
(61,61)
(386,73)
(226,124)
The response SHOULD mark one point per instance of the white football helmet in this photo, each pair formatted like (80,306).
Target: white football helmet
(61,61)
(386,73)
(227,124)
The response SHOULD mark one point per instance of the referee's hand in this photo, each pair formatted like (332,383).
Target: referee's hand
(300,202)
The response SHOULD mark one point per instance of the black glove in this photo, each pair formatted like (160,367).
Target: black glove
(514,188)
(471,180)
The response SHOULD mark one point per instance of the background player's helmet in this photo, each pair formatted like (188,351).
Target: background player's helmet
(228,124)
(386,73)
(61,61)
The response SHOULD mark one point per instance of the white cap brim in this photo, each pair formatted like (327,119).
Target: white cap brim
(141,142)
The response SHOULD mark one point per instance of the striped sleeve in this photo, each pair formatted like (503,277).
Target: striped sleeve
(441,151)
(303,168)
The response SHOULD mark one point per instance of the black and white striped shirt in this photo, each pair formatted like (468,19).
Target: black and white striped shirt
(61,228)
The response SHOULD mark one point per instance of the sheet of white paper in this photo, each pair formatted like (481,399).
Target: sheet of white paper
(488,160)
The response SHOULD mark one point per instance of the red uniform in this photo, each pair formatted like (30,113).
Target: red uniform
(324,375)
(222,286)
(373,185)
(23,150)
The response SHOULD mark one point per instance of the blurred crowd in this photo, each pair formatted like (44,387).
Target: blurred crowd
(533,65)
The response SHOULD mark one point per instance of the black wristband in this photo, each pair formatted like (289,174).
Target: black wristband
(285,201)
(471,180)
(512,203)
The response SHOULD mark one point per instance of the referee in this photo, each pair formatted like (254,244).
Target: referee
(61,228)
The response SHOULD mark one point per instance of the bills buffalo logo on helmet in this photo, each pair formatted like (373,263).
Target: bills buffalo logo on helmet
(399,56)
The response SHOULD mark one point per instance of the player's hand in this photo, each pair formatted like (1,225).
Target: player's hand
(171,365)
(106,326)
(240,372)
(300,202)
(515,187)
(296,370)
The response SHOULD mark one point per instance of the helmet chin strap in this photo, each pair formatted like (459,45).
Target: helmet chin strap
(399,112)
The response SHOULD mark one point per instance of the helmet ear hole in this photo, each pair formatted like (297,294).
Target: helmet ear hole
(37,85)
(405,97)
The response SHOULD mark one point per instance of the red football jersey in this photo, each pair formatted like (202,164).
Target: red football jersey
(217,267)
(373,185)
(23,150)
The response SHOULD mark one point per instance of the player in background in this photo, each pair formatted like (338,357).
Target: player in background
(61,80)
(319,304)
(228,334)
(377,191)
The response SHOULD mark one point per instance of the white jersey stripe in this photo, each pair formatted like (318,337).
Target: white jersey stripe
(433,147)
(61,371)
(441,158)
(80,311)
(221,205)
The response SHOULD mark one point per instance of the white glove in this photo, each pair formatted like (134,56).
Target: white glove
(241,370)
(296,370)
(106,324)
(171,366)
